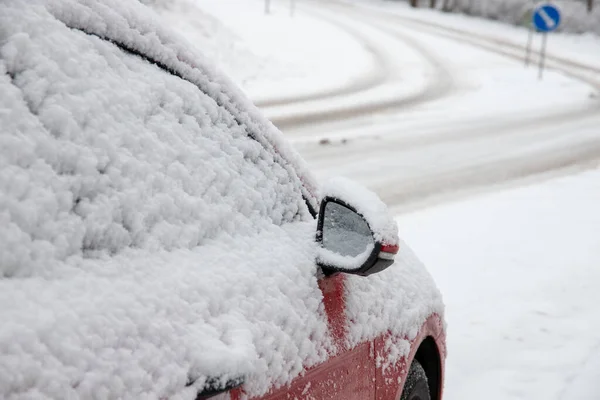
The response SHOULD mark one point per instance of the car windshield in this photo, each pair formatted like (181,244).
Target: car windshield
(104,150)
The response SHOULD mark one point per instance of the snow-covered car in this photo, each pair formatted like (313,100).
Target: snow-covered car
(159,239)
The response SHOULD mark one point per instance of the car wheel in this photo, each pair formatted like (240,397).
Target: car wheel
(416,387)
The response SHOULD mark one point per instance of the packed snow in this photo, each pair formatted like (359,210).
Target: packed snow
(154,226)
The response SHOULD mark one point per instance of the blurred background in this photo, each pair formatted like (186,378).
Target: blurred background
(489,161)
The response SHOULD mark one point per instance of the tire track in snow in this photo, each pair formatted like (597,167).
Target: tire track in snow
(439,86)
(579,70)
(576,70)
(369,80)
(428,180)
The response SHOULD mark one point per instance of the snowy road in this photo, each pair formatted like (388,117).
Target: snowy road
(451,112)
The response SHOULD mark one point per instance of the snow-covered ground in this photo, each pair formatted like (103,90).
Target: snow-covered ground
(493,122)
(270,55)
(576,18)
(577,47)
(520,277)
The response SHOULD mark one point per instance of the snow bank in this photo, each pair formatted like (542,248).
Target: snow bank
(576,18)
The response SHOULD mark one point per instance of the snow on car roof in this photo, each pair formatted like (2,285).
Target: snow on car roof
(146,242)
(128,154)
(135,27)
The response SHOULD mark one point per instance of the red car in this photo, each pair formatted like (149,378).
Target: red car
(159,238)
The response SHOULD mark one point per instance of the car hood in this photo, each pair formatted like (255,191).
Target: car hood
(141,324)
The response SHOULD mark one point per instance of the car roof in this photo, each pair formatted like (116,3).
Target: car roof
(142,34)
(74,84)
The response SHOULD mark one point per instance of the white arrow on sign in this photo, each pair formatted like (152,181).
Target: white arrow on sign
(550,23)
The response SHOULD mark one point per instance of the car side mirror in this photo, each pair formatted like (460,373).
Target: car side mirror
(354,236)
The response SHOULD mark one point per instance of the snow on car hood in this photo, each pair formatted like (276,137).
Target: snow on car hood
(145,241)
(140,325)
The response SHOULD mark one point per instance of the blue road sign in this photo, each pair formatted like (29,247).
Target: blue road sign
(546,17)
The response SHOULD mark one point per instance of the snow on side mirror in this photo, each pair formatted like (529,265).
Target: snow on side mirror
(355,232)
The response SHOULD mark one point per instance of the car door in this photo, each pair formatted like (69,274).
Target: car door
(349,374)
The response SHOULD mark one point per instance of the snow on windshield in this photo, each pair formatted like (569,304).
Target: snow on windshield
(124,155)
(137,28)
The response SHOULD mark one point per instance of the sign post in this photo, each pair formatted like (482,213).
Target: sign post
(543,55)
(292,7)
(528,49)
(546,18)
(527,20)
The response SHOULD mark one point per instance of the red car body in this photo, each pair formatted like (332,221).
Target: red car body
(354,373)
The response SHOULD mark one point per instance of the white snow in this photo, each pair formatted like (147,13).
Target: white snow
(349,263)
(271,56)
(575,17)
(105,188)
(518,269)
(583,48)
(227,50)
(146,240)
(519,273)
(397,300)
(139,324)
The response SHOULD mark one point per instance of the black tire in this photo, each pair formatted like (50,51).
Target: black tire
(416,386)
